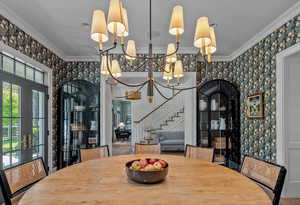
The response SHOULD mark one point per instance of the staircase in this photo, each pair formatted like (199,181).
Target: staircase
(167,116)
(175,121)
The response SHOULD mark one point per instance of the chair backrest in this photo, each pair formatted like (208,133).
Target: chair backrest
(94,153)
(269,175)
(194,152)
(17,179)
(147,148)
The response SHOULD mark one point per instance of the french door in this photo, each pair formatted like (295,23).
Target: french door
(23,120)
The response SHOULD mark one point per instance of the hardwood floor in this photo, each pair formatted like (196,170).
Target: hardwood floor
(290,201)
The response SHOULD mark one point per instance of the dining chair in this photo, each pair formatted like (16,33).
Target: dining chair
(15,181)
(147,148)
(94,153)
(268,175)
(195,152)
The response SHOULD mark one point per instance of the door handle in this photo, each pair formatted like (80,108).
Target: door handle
(27,141)
(24,142)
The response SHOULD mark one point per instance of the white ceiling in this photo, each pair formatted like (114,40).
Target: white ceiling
(60,21)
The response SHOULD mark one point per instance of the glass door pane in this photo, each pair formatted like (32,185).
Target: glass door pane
(38,122)
(11,124)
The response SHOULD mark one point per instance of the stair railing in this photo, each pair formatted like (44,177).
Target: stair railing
(157,108)
(154,120)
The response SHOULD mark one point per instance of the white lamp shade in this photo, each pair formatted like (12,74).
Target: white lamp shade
(177,22)
(168,75)
(178,71)
(171,50)
(115,69)
(115,17)
(131,50)
(125,19)
(202,33)
(99,29)
(104,69)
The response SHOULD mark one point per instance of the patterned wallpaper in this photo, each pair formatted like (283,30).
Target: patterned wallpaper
(253,71)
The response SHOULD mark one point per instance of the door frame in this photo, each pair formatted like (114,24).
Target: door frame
(282,145)
(49,76)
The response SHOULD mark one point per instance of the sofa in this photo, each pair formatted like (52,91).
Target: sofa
(171,140)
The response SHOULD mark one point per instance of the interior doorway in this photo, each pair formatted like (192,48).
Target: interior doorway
(122,127)
(288,112)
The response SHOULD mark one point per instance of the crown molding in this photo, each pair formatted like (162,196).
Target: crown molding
(96,58)
(278,22)
(27,28)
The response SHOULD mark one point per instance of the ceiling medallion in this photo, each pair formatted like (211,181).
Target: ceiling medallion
(172,67)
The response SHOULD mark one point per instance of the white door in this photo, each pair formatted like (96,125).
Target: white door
(292,125)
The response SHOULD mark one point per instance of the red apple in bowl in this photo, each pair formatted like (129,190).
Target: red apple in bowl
(163,163)
(152,161)
(143,163)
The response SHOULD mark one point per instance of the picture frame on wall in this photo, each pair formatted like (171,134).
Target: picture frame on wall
(255,106)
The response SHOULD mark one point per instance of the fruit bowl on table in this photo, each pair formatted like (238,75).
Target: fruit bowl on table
(147,171)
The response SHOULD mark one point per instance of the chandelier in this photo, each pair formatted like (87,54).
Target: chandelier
(172,67)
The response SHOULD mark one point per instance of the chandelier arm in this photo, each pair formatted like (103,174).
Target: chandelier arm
(116,79)
(137,68)
(156,88)
(150,58)
(182,89)
(125,96)
(161,67)
(101,52)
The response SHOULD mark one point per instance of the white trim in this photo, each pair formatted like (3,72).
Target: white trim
(96,58)
(281,137)
(30,30)
(278,22)
(48,72)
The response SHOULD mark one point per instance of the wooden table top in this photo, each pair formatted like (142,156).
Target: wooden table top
(104,181)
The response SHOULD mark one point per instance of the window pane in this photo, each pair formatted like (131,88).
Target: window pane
(29,73)
(38,104)
(6,159)
(15,158)
(20,69)
(15,103)
(6,99)
(6,139)
(37,131)
(38,151)
(39,77)
(1,61)
(8,64)
(16,134)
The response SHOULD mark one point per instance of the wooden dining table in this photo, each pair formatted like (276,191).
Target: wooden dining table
(104,181)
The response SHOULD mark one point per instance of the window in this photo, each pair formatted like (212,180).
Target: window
(11,124)
(14,66)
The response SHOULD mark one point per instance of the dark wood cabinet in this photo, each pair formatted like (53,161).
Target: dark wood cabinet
(79,112)
(218,121)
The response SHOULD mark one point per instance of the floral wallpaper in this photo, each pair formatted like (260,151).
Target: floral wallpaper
(253,71)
